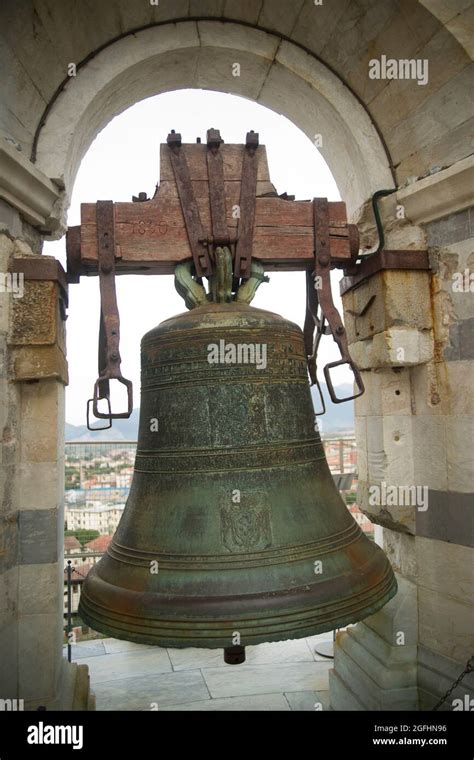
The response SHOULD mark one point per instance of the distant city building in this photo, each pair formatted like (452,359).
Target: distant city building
(124,478)
(104,519)
(73,551)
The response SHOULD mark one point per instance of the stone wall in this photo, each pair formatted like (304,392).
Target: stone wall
(123,51)
(445,532)
(415,425)
(33,375)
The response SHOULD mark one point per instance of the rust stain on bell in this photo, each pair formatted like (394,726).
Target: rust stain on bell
(233,522)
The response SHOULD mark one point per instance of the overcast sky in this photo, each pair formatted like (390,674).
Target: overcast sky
(123,161)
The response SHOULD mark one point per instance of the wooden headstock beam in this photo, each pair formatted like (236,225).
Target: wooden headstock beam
(151,236)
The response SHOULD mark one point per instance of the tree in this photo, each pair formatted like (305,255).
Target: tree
(83,535)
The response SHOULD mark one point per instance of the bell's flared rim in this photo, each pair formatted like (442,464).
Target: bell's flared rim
(208,622)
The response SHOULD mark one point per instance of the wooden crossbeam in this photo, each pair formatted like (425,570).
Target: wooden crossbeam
(151,237)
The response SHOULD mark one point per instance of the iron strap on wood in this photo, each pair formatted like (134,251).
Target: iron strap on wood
(329,312)
(309,325)
(215,173)
(313,330)
(248,196)
(197,238)
(109,334)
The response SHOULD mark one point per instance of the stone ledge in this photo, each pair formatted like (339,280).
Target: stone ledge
(342,697)
(27,189)
(436,674)
(370,667)
(395,347)
(440,194)
(388,299)
(365,648)
(369,693)
(39,363)
(83,699)
(74,689)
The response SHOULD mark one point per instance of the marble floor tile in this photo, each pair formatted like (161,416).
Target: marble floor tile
(266,679)
(307,700)
(128,665)
(281,676)
(83,649)
(260,702)
(296,650)
(112,646)
(151,691)
(194,658)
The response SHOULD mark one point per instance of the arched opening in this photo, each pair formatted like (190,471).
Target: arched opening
(120,152)
(123,160)
(229,58)
(416,421)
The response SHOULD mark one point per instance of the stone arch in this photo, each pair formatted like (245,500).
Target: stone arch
(275,73)
(310,63)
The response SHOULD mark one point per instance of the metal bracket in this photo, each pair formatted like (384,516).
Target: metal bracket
(192,219)
(202,246)
(329,311)
(109,334)
(381,261)
(248,194)
(140,198)
(215,172)
(312,338)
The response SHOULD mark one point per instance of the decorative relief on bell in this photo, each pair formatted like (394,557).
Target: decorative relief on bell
(246,524)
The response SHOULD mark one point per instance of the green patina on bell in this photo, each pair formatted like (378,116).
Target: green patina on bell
(233,523)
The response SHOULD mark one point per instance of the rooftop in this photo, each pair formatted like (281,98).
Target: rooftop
(71,543)
(99,544)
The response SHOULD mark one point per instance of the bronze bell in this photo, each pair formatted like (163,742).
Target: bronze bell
(233,524)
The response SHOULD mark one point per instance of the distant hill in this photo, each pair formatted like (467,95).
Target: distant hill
(338,418)
(121,430)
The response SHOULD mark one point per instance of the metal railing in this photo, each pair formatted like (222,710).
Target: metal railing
(82,451)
